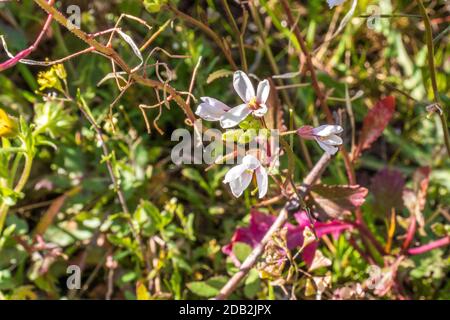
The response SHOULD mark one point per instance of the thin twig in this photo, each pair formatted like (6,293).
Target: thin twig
(309,63)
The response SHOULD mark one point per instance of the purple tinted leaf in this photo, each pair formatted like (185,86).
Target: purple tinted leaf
(387,188)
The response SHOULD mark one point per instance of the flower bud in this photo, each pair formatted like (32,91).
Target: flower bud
(306,132)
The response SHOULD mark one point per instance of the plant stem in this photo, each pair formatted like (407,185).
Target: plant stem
(258,250)
(20,185)
(118,190)
(432,67)
(207,30)
(238,35)
(309,63)
(430,246)
(276,70)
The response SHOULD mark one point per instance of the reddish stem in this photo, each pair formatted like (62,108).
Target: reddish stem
(410,233)
(24,53)
(430,246)
(365,232)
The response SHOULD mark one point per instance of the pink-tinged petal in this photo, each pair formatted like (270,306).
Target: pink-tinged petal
(211,109)
(243,86)
(262,180)
(261,111)
(234,173)
(234,116)
(263,91)
(326,130)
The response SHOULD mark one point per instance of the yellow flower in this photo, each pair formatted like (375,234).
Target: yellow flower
(60,71)
(51,78)
(8,125)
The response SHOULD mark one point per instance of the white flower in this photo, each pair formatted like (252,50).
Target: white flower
(325,136)
(253,103)
(332,3)
(240,176)
(327,139)
(211,109)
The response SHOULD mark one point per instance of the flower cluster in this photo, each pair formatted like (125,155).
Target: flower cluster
(251,113)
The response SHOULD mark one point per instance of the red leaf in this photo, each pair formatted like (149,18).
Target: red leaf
(336,201)
(374,124)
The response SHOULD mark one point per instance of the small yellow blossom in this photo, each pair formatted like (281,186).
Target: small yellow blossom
(51,79)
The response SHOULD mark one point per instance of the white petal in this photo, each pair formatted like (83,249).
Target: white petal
(234,116)
(215,103)
(261,111)
(234,173)
(262,180)
(263,91)
(326,130)
(239,185)
(333,140)
(332,3)
(211,109)
(250,162)
(327,148)
(243,86)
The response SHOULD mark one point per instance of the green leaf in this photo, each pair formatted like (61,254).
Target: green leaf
(252,284)
(241,250)
(208,288)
